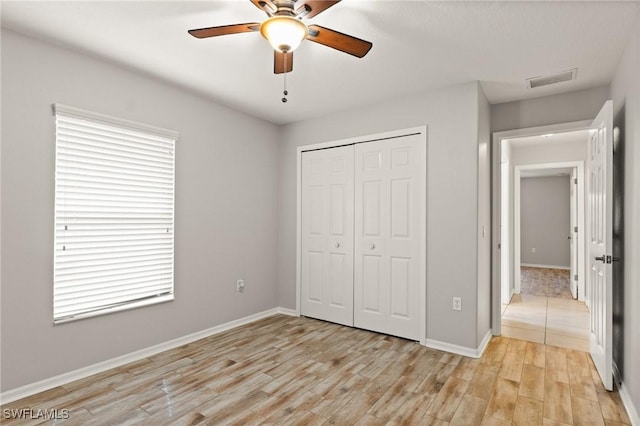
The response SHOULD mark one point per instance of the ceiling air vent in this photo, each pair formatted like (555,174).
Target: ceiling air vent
(546,80)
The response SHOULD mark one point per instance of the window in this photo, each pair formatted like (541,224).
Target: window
(114,214)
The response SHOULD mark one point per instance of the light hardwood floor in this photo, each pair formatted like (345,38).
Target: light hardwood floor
(286,370)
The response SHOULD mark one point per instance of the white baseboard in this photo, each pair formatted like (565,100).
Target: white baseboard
(287,311)
(533,265)
(461,350)
(52,382)
(626,398)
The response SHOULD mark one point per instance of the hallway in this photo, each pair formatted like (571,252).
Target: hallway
(545,312)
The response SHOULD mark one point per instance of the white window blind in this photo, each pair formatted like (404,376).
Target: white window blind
(114,214)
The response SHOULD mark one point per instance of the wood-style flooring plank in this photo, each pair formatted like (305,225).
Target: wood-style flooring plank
(528,412)
(557,402)
(495,352)
(434,382)
(586,412)
(388,404)
(535,354)
(298,371)
(448,399)
(466,368)
(484,381)
(503,400)
(556,369)
(353,410)
(413,411)
(532,383)
(470,411)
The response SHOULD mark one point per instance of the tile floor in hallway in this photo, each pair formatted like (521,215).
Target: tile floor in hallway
(545,282)
(543,313)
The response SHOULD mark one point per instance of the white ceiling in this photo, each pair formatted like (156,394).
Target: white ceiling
(417,46)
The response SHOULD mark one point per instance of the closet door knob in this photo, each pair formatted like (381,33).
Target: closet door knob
(337,245)
(372,246)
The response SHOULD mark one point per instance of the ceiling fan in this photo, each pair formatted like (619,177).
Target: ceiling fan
(285,30)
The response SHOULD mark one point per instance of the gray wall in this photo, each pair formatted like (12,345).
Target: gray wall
(451,115)
(625,92)
(484,217)
(574,106)
(549,153)
(225,221)
(545,220)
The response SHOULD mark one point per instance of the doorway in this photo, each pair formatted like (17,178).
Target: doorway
(541,234)
(598,156)
(548,215)
(547,305)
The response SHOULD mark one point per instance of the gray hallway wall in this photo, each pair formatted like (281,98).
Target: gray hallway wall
(545,221)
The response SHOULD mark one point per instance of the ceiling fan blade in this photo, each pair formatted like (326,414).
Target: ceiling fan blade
(313,7)
(279,62)
(339,41)
(225,29)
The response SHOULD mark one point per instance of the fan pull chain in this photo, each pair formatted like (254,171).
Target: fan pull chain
(285,92)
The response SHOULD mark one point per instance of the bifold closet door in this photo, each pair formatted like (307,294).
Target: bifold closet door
(389,252)
(327,235)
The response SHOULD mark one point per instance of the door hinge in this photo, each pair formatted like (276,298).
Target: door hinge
(575,277)
(575,229)
(575,181)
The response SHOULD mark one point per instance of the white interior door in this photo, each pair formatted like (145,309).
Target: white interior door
(390,219)
(573,232)
(600,214)
(327,235)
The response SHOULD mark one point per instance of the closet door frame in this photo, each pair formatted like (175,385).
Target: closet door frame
(420,130)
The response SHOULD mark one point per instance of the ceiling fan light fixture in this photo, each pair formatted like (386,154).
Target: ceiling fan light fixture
(284,33)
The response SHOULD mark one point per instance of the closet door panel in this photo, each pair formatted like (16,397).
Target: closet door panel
(400,290)
(388,178)
(370,295)
(327,235)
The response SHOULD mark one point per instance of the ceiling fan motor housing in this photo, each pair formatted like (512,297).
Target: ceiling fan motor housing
(279,7)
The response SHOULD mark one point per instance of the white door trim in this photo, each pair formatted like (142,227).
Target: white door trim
(517,170)
(574,212)
(498,137)
(422,130)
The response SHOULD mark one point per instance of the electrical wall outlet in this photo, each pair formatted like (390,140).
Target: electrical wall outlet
(240,286)
(457,303)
